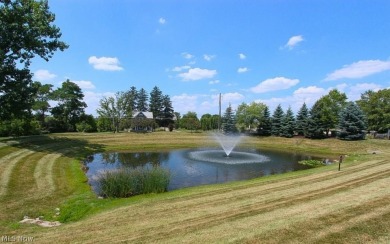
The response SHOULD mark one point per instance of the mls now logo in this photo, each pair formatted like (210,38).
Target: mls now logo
(17,239)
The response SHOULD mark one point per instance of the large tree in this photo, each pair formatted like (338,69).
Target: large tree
(288,124)
(277,118)
(265,126)
(167,114)
(229,121)
(301,120)
(316,127)
(352,123)
(190,121)
(376,106)
(117,109)
(248,116)
(70,105)
(41,100)
(142,100)
(330,107)
(26,31)
(156,102)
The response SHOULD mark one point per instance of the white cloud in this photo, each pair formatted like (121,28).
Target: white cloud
(293,42)
(197,74)
(274,84)
(359,69)
(355,91)
(162,21)
(187,55)
(242,70)
(213,82)
(308,95)
(92,99)
(43,75)
(184,103)
(181,68)
(105,63)
(242,56)
(208,57)
(84,84)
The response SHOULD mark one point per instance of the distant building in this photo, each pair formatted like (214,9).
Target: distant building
(142,121)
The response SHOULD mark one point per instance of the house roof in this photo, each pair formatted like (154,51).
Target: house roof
(148,115)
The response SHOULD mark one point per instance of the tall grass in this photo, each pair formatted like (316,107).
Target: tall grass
(127,182)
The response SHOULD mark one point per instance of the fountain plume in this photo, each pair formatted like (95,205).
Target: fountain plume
(227,141)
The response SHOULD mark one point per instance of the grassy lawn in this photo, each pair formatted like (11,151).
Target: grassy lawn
(322,205)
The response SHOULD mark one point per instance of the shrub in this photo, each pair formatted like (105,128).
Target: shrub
(311,163)
(127,182)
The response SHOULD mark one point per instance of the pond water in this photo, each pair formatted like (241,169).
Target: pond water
(187,169)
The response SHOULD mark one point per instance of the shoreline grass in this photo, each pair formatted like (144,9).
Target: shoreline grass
(125,182)
(352,201)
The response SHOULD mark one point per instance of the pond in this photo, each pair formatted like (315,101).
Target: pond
(200,166)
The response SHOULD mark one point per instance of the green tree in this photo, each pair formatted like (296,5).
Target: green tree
(26,31)
(70,105)
(265,126)
(352,123)
(248,116)
(315,126)
(142,100)
(376,107)
(41,100)
(167,114)
(206,121)
(330,107)
(277,118)
(288,124)
(116,108)
(301,120)
(156,102)
(229,121)
(190,121)
(132,96)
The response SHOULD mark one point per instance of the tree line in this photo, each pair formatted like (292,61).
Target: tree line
(116,112)
(330,115)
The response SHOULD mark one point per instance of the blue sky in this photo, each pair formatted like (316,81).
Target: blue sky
(272,51)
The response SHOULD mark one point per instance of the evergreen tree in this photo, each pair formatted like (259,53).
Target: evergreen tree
(301,121)
(156,102)
(132,95)
(288,124)
(142,100)
(277,118)
(167,114)
(315,125)
(229,121)
(352,123)
(265,126)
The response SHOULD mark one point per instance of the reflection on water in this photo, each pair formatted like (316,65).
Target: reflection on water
(187,172)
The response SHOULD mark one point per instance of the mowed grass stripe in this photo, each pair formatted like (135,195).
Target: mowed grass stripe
(9,161)
(7,165)
(142,226)
(239,210)
(43,174)
(280,218)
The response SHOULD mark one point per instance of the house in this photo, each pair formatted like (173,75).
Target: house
(142,121)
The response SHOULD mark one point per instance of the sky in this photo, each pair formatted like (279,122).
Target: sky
(272,51)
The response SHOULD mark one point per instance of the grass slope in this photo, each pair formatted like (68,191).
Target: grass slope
(321,205)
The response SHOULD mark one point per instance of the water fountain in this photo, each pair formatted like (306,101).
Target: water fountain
(227,155)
